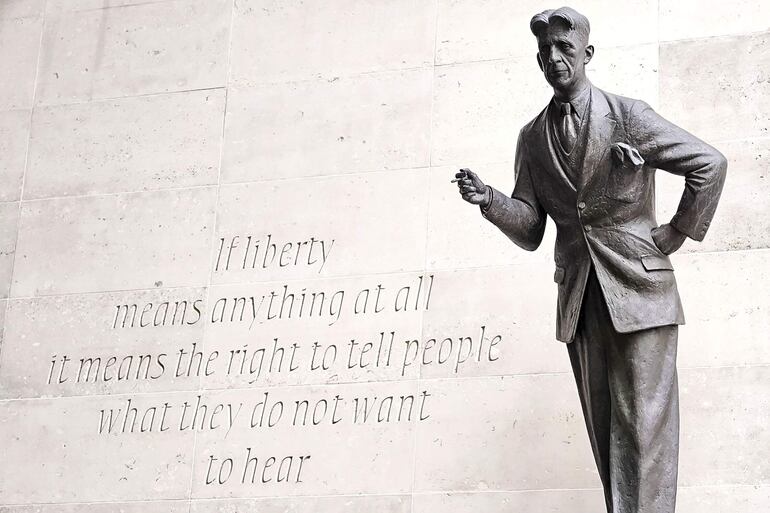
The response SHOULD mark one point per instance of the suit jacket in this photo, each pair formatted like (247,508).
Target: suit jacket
(606,218)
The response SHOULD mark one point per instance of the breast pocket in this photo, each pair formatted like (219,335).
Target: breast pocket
(625,181)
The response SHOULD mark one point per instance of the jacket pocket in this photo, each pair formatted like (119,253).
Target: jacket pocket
(558,275)
(624,184)
(625,181)
(656,263)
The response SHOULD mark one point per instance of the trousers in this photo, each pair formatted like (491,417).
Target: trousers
(627,383)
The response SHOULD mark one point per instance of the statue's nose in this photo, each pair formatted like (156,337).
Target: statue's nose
(553,55)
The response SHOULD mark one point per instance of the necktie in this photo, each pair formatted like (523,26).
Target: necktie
(567,125)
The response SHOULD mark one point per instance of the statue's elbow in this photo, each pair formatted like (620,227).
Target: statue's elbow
(528,242)
(719,161)
(530,246)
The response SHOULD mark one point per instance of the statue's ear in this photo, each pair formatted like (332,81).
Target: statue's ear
(589,54)
(540,62)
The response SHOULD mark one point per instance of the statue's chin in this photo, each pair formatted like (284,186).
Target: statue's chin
(561,81)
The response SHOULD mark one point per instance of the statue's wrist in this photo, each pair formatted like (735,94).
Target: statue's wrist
(487,199)
(679,233)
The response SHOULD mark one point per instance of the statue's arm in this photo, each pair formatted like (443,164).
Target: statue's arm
(519,216)
(670,148)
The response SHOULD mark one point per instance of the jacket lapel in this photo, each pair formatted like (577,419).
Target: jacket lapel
(543,129)
(600,129)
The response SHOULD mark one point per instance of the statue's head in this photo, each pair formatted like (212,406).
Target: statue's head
(563,49)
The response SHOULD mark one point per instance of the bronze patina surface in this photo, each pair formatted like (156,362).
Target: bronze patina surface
(588,162)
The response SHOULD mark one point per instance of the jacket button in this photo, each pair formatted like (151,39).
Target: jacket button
(582,205)
(588,228)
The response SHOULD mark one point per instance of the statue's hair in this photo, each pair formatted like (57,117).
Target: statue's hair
(565,15)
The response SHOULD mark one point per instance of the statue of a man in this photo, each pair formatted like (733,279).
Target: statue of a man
(588,161)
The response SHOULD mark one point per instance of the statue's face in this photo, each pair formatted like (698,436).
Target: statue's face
(562,56)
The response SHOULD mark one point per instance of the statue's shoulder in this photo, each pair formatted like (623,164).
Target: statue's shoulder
(535,126)
(620,106)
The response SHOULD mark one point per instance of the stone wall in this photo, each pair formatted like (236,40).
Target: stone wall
(235,275)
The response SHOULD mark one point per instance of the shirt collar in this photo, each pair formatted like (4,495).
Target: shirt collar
(579,103)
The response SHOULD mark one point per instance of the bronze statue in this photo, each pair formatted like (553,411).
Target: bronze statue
(588,161)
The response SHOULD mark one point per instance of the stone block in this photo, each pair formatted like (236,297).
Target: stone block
(363,123)
(711,87)
(19,47)
(324,432)
(59,6)
(321,331)
(332,39)
(722,498)
(725,298)
(630,71)
(95,344)
(21,8)
(459,237)
(688,19)
(180,506)
(3,307)
(513,306)
(14,135)
(469,30)
(53,453)
(146,48)
(541,501)
(114,242)
(346,504)
(724,420)
(478,109)
(130,144)
(741,220)
(9,224)
(376,225)
(504,434)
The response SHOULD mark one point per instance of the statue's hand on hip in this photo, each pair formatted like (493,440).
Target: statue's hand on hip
(667,238)
(472,189)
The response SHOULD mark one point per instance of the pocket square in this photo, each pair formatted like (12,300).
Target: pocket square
(626,155)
